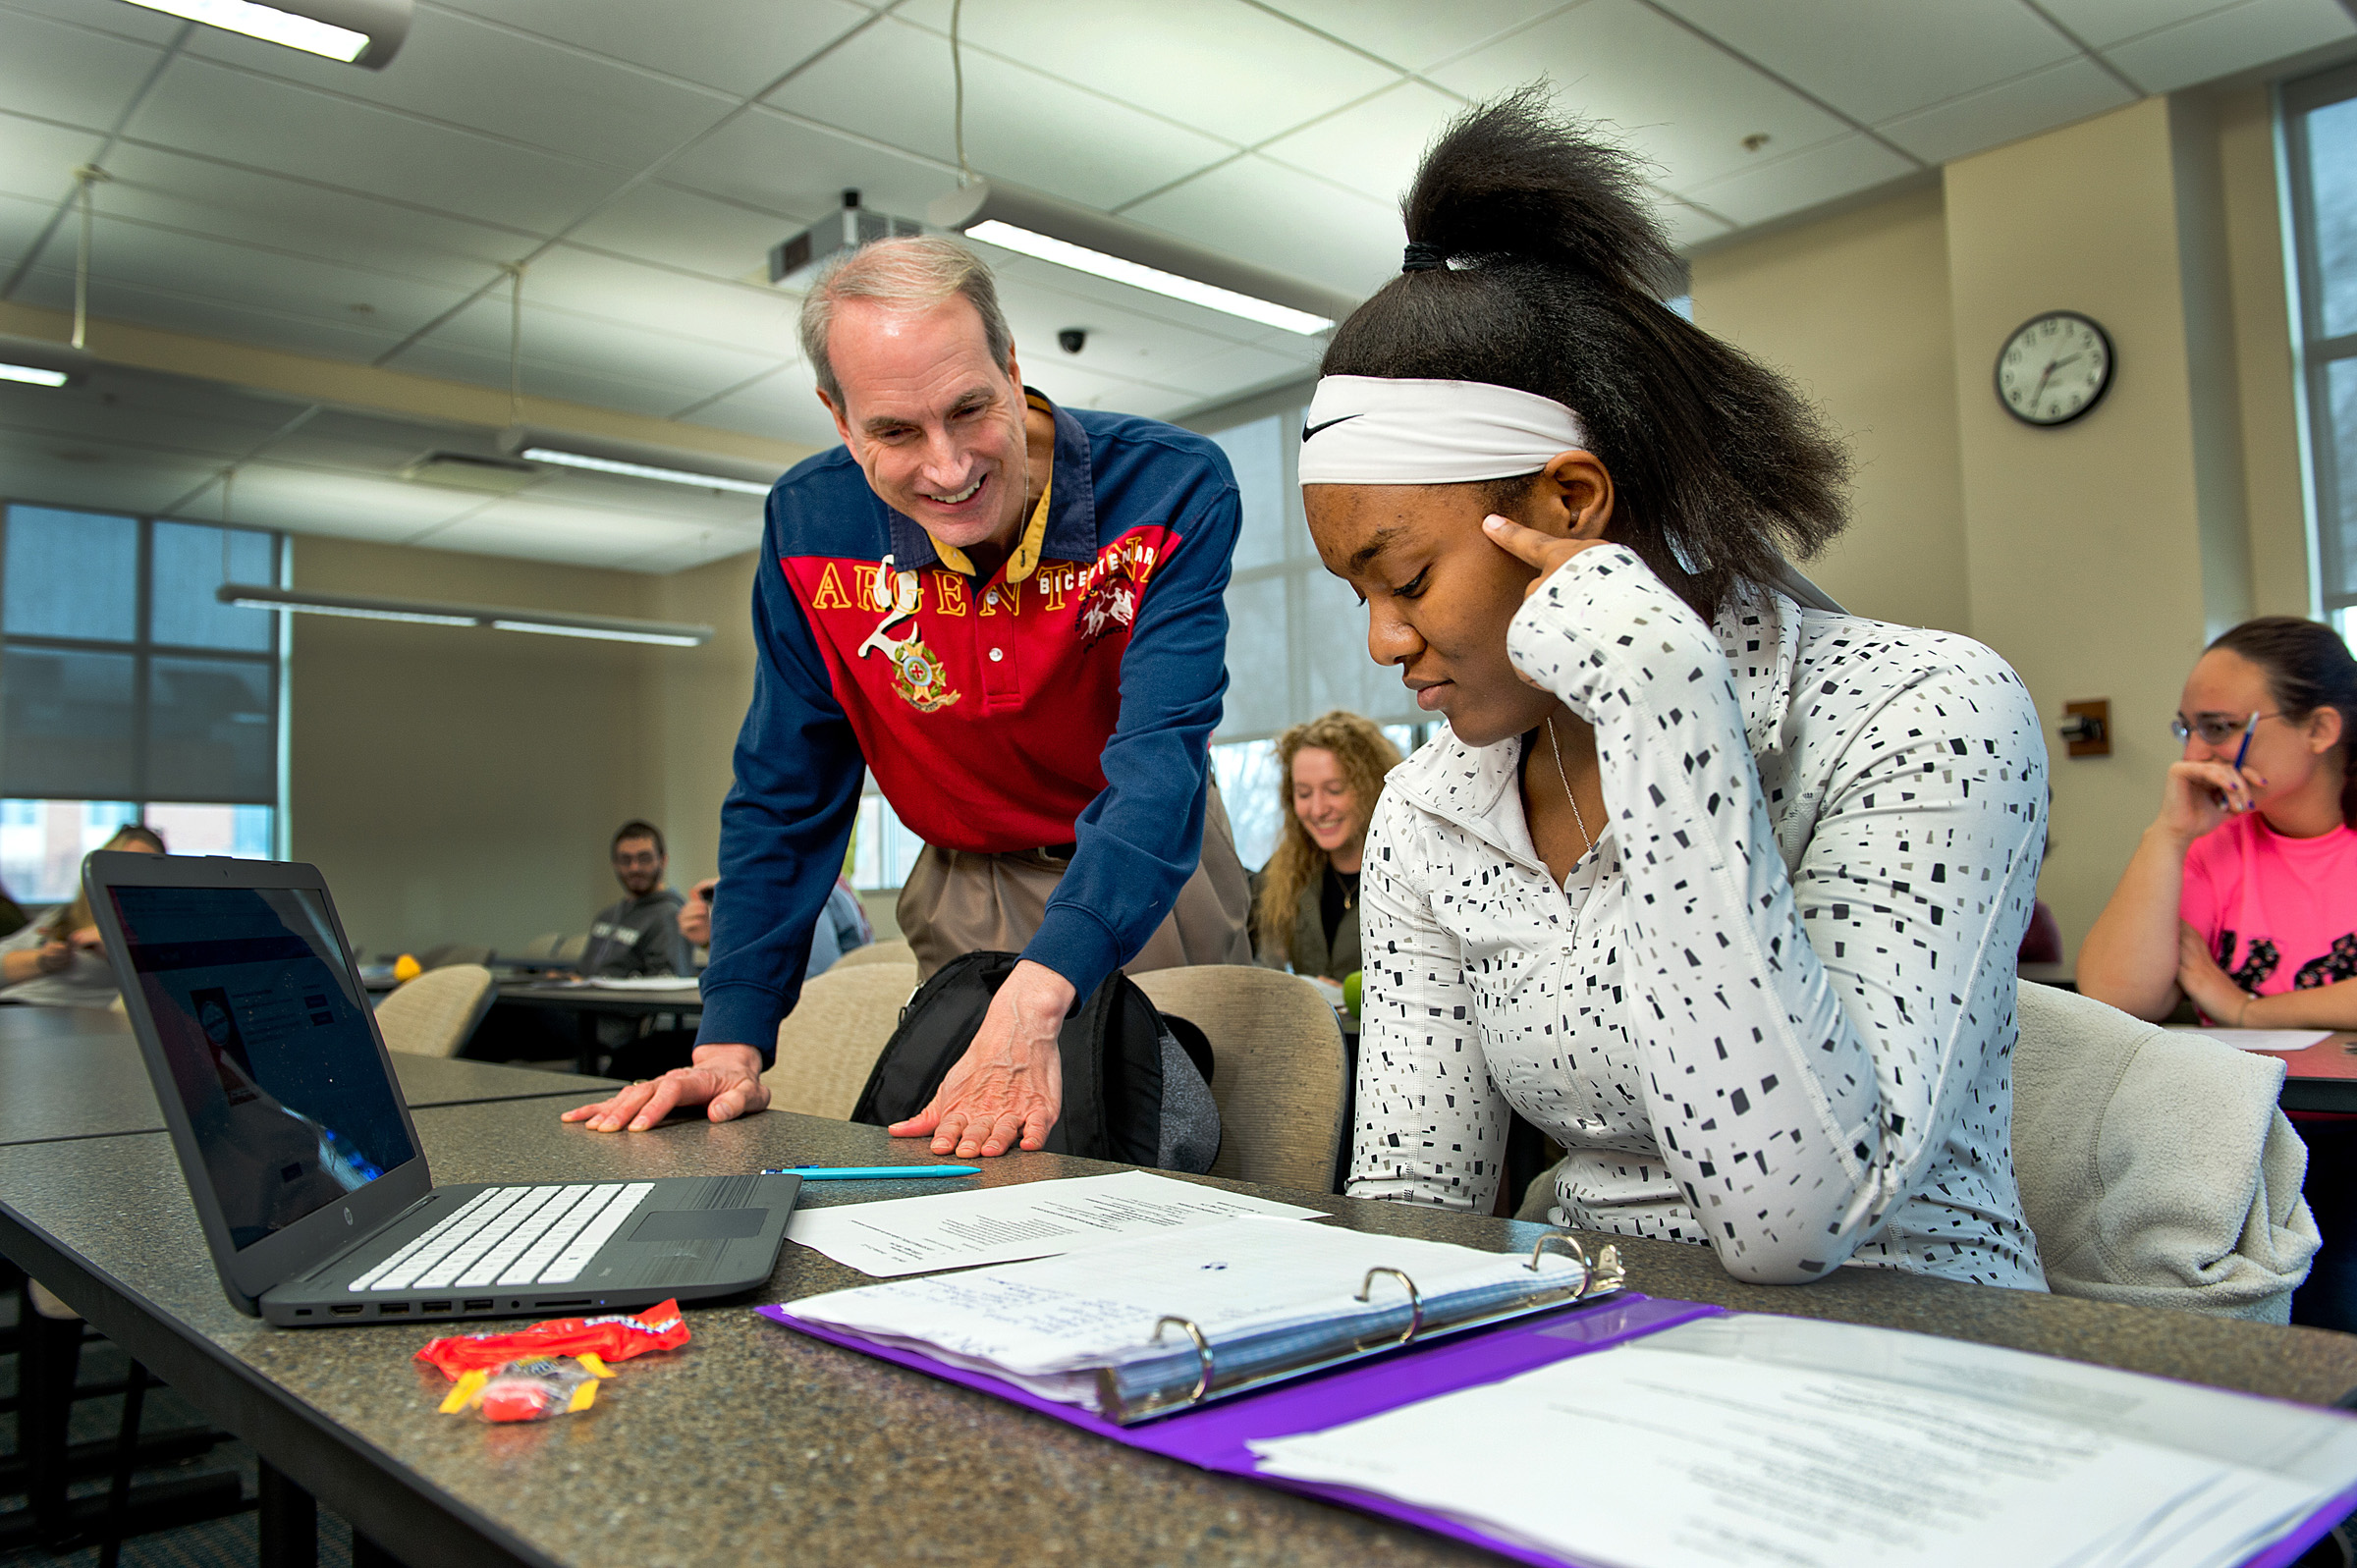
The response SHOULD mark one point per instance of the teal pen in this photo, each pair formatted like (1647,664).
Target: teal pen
(870,1173)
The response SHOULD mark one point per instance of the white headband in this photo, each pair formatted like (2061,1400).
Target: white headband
(1372,430)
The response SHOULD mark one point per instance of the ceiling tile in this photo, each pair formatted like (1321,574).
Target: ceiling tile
(169,417)
(135,23)
(765,160)
(1082,293)
(1373,148)
(347,506)
(66,72)
(1687,224)
(1077,387)
(1339,237)
(1126,344)
(277,126)
(38,160)
(2099,22)
(681,558)
(538,530)
(1802,180)
(1229,69)
(892,83)
(2237,37)
(127,254)
(271,212)
(2008,111)
(1230,374)
(742,318)
(785,407)
(740,47)
(1673,97)
(85,473)
(1874,60)
(559,370)
(1414,37)
(460,71)
(674,367)
(680,227)
(263,325)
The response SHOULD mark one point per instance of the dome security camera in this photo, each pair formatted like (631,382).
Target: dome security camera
(1072,340)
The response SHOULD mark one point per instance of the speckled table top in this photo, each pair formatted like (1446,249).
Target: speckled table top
(73,1073)
(755,1445)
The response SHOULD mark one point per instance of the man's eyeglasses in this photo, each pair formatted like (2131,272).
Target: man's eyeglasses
(2215,730)
(645,857)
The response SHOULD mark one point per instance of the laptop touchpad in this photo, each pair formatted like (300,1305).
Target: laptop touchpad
(700,1224)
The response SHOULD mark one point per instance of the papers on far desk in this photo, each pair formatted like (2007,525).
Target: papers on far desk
(2254,1038)
(626,983)
(898,1236)
(1273,1297)
(1778,1442)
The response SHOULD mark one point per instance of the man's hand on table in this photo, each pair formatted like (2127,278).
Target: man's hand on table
(726,1081)
(1009,1086)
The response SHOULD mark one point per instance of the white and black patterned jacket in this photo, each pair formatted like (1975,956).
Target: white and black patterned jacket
(1774,1008)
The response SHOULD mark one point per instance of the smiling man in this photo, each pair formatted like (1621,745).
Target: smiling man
(1010,615)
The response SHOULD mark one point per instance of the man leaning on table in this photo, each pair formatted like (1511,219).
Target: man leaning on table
(1009,613)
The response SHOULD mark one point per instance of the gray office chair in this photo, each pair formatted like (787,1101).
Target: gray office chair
(569,949)
(434,1014)
(543,947)
(828,1044)
(1279,1069)
(892,951)
(445,953)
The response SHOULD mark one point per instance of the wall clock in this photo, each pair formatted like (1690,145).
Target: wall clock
(2054,369)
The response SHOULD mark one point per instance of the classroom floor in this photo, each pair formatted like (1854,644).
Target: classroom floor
(229,1542)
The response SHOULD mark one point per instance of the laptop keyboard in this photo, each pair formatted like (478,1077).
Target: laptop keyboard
(511,1236)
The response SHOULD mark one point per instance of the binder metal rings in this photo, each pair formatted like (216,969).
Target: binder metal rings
(1415,1299)
(1202,1350)
(1603,1275)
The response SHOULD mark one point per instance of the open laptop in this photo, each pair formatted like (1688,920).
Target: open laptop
(299,1153)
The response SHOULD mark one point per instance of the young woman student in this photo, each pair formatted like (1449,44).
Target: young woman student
(2243,894)
(1720,893)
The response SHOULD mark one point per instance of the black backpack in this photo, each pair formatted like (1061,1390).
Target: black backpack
(1137,1083)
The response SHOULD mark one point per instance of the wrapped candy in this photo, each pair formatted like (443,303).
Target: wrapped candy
(528,1390)
(617,1337)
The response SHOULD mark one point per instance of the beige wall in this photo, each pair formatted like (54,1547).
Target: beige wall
(1854,311)
(2099,557)
(462,785)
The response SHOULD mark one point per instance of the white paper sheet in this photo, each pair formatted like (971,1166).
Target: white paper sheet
(1747,1443)
(1034,1322)
(632,982)
(898,1236)
(2256,1039)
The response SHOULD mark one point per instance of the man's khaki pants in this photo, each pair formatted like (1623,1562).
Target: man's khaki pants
(957,902)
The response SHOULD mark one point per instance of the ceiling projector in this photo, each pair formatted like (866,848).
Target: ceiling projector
(796,263)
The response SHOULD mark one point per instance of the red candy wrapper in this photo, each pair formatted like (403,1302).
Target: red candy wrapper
(614,1338)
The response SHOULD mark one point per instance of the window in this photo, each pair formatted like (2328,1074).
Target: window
(1296,638)
(129,693)
(2320,140)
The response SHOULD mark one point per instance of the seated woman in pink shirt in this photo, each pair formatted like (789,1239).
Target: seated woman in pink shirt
(2242,895)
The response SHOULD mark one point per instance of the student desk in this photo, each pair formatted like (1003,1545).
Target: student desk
(754,1444)
(592,1002)
(2323,1077)
(75,1072)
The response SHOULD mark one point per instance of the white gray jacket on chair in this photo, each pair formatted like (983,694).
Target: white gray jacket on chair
(2156,1167)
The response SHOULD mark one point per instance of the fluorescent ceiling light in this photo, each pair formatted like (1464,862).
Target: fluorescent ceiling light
(364,32)
(1085,239)
(665,638)
(1006,237)
(641,470)
(33,375)
(363,607)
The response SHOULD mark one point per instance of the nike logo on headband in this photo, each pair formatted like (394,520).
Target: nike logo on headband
(1310,430)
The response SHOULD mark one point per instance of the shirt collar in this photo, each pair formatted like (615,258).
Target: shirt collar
(1062,528)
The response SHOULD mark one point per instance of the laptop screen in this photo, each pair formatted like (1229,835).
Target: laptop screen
(266,1031)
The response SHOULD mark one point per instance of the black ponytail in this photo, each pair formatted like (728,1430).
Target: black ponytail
(1552,283)
(2308,667)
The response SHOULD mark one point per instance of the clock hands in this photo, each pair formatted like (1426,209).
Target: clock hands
(2051,365)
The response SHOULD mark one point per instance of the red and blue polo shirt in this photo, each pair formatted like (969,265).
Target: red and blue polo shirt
(1068,698)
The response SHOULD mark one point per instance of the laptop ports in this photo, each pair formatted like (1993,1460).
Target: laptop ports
(393,1309)
(433,1306)
(479,1304)
(352,1311)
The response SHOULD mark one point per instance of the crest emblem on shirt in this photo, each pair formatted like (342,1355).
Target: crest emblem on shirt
(916,674)
(1111,598)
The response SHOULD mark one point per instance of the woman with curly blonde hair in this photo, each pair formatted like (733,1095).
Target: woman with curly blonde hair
(1330,772)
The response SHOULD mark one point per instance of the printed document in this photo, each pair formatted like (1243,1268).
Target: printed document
(898,1236)
(1039,1324)
(1774,1442)
(2256,1039)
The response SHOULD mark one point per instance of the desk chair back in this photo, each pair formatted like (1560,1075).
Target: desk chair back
(1279,1075)
(443,954)
(433,1014)
(891,951)
(542,947)
(828,1044)
(2155,1167)
(569,949)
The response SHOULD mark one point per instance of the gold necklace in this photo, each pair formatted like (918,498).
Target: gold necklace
(1586,843)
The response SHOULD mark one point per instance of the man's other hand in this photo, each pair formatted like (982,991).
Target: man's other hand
(696,915)
(726,1081)
(1009,1086)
